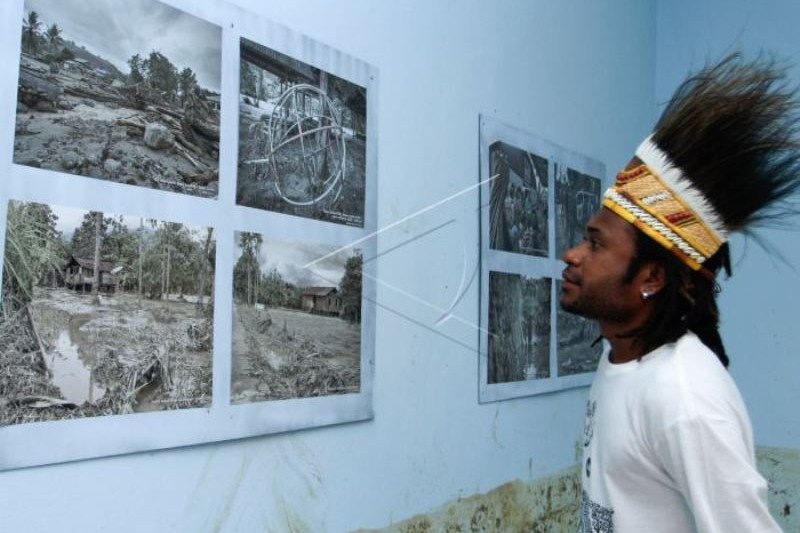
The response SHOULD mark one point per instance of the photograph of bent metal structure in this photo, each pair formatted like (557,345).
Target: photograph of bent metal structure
(105,92)
(302,139)
(519,327)
(518,210)
(296,328)
(103,314)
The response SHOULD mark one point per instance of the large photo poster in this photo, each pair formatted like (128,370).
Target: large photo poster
(536,199)
(187,225)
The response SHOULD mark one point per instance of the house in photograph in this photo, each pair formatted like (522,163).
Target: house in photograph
(79,275)
(322,300)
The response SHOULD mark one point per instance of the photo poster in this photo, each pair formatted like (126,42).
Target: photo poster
(536,198)
(187,222)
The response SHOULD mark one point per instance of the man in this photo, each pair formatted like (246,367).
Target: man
(668,445)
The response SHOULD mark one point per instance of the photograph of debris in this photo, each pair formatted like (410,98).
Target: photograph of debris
(296,320)
(577,199)
(302,138)
(105,91)
(579,345)
(518,200)
(519,327)
(103,314)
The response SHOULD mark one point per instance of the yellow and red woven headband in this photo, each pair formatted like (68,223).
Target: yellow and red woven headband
(659,200)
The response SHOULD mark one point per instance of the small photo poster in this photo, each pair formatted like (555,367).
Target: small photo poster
(536,198)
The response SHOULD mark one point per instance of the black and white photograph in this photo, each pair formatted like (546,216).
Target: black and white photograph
(578,342)
(296,320)
(103,314)
(577,199)
(518,200)
(302,138)
(519,327)
(125,92)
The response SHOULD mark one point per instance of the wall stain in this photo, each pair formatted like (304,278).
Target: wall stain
(551,504)
(547,505)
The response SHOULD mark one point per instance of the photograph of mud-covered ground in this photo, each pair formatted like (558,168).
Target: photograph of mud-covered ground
(296,320)
(302,138)
(577,199)
(579,347)
(103,314)
(519,327)
(518,201)
(120,91)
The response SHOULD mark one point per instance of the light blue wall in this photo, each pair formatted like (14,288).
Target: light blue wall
(579,73)
(761,302)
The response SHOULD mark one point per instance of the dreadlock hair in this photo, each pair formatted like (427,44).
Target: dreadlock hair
(686,303)
(732,129)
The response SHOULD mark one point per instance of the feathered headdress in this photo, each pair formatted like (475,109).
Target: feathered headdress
(723,157)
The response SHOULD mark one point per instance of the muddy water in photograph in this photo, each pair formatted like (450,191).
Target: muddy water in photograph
(70,373)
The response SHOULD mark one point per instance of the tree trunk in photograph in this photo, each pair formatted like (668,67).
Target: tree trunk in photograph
(506,357)
(98,223)
(201,289)
(169,254)
(141,230)
(322,136)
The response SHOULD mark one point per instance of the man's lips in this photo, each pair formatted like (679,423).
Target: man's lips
(569,278)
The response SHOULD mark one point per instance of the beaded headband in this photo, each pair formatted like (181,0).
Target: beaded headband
(659,200)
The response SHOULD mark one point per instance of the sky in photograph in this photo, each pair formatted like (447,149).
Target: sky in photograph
(116,30)
(70,219)
(288,257)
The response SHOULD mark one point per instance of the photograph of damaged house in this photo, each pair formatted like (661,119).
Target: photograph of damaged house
(296,328)
(103,314)
(106,92)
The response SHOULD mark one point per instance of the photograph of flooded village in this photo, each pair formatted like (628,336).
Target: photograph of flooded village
(302,138)
(103,314)
(519,327)
(296,320)
(126,92)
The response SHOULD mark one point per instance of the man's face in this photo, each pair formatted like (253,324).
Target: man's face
(594,279)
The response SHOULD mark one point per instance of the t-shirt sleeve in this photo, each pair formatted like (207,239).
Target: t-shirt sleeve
(713,467)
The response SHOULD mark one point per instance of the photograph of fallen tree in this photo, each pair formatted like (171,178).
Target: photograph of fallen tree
(106,91)
(519,327)
(302,138)
(103,314)
(296,325)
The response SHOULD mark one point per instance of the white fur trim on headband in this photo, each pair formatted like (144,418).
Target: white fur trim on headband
(652,156)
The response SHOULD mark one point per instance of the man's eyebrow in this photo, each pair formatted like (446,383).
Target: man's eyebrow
(593,230)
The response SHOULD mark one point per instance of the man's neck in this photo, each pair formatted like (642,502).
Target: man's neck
(624,348)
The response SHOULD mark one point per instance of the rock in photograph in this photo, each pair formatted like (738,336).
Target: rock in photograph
(127,92)
(302,138)
(296,320)
(103,314)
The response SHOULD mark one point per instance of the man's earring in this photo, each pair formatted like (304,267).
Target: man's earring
(646,295)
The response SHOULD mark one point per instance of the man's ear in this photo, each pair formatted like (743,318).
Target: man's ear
(652,277)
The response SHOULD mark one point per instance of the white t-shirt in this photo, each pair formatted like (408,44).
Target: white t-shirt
(668,447)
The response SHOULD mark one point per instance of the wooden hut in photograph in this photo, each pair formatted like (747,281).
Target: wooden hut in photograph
(79,275)
(322,300)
